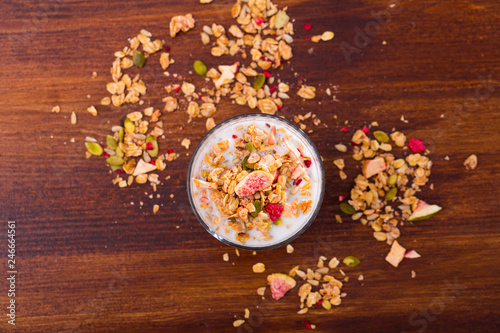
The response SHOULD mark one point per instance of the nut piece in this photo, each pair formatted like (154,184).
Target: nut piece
(92,110)
(289,249)
(307,92)
(156,208)
(185,143)
(238,323)
(225,257)
(471,162)
(210,124)
(73,118)
(259,268)
(56,109)
(181,22)
(261,291)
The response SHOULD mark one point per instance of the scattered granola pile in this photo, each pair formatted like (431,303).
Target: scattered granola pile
(252,183)
(384,195)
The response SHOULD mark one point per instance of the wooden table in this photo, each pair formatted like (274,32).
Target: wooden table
(88,260)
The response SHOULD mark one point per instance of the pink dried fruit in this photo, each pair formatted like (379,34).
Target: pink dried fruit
(280,284)
(253,182)
(266,74)
(307,163)
(416,146)
(149,146)
(307,26)
(259,20)
(345,129)
(274,211)
(365,130)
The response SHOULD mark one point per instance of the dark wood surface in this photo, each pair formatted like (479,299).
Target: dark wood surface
(89,261)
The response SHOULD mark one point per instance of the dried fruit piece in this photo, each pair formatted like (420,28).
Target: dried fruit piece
(346,208)
(274,211)
(351,261)
(280,284)
(412,254)
(424,211)
(94,148)
(138,58)
(255,181)
(396,255)
(373,167)
(416,146)
(200,68)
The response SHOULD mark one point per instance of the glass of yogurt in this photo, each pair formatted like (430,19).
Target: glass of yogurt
(256,181)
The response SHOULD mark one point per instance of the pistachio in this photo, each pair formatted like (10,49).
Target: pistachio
(346,208)
(94,148)
(111,142)
(119,152)
(120,135)
(381,136)
(115,161)
(200,68)
(138,58)
(279,221)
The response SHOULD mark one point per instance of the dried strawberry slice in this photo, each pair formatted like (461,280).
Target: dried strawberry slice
(416,146)
(274,211)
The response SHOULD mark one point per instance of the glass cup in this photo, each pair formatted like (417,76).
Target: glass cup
(291,227)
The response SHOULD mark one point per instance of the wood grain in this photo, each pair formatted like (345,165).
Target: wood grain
(89,261)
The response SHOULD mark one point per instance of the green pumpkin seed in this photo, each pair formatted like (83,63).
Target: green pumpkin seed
(393,179)
(351,261)
(348,209)
(250,147)
(115,167)
(138,59)
(129,125)
(120,135)
(115,160)
(381,136)
(154,143)
(119,152)
(258,208)
(94,148)
(279,221)
(200,68)
(391,194)
(111,142)
(259,81)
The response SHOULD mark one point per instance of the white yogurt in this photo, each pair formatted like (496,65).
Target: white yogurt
(291,226)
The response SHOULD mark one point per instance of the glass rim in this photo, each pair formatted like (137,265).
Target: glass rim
(306,225)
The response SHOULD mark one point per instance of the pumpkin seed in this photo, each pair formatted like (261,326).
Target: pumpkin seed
(391,194)
(381,136)
(259,81)
(393,179)
(279,221)
(154,143)
(200,68)
(250,147)
(119,152)
(348,209)
(351,261)
(138,59)
(111,142)
(129,125)
(120,135)
(258,208)
(94,148)
(115,167)
(115,161)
